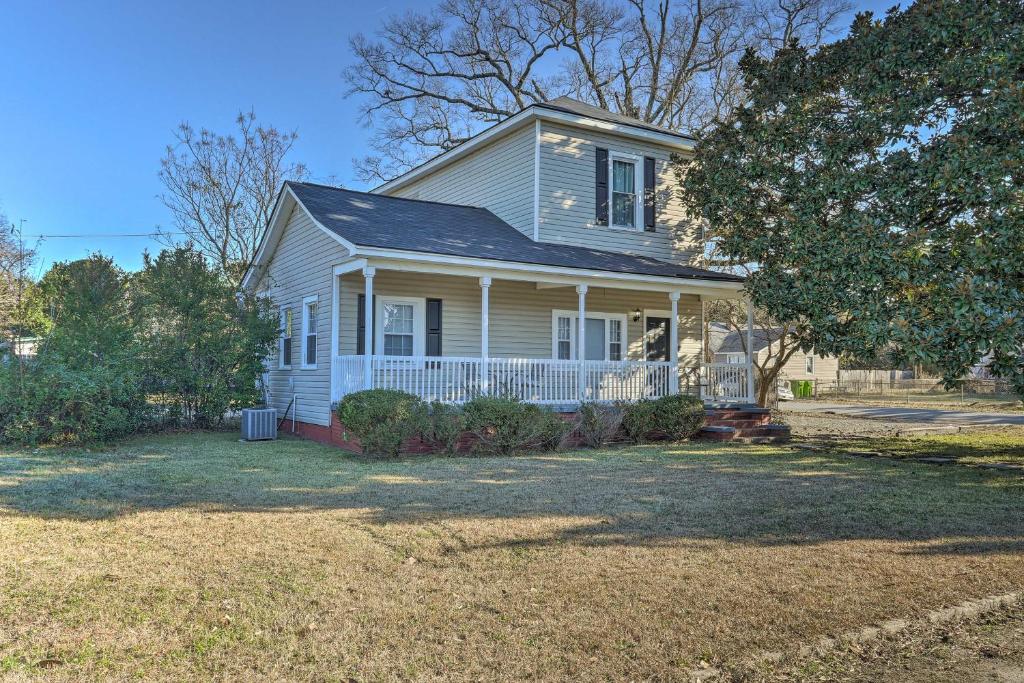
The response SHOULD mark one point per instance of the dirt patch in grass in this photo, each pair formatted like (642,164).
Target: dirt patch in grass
(198,557)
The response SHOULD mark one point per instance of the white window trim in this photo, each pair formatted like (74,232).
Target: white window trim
(311,299)
(656,313)
(574,326)
(282,312)
(419,323)
(638,190)
(809,364)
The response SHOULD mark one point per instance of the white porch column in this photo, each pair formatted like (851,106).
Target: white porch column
(485,323)
(581,343)
(673,344)
(750,352)
(335,311)
(368,274)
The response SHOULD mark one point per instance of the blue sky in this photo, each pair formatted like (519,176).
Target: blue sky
(90,94)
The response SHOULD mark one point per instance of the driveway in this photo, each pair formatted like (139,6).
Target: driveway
(920,415)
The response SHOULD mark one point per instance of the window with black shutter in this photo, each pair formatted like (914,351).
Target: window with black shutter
(361,324)
(285,351)
(434,327)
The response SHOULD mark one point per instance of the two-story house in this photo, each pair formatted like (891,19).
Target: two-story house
(547,258)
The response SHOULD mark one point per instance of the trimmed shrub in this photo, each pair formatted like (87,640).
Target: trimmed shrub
(442,426)
(506,425)
(46,402)
(638,420)
(599,423)
(382,419)
(679,416)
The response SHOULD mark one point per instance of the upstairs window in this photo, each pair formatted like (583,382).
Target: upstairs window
(809,364)
(624,193)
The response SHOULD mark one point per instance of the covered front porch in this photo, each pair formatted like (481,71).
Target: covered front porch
(450,332)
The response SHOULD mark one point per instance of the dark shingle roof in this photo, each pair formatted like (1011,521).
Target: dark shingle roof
(571,106)
(373,220)
(733,342)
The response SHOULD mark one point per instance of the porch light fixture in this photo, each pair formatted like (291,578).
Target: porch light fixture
(636,315)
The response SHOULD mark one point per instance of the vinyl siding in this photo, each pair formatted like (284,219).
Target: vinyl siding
(520,314)
(498,176)
(825,368)
(568,204)
(302,265)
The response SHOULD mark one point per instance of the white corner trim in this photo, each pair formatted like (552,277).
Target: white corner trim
(536,182)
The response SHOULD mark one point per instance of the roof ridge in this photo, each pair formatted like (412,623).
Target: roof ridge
(389,196)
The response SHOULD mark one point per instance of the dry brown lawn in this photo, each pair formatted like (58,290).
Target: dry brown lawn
(198,557)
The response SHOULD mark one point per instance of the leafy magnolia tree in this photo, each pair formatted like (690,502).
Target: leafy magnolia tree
(429,80)
(201,345)
(221,188)
(876,184)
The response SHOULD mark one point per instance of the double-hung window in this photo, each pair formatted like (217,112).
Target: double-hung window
(625,191)
(284,355)
(309,329)
(605,336)
(402,327)
(809,364)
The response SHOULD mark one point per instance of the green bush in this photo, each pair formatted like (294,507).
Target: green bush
(442,426)
(599,423)
(638,420)
(44,401)
(506,425)
(382,419)
(679,416)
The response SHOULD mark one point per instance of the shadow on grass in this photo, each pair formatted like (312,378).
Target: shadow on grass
(644,495)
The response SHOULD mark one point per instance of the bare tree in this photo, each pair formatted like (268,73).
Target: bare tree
(430,80)
(221,189)
(16,260)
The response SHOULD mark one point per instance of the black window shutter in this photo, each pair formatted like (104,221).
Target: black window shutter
(361,323)
(361,326)
(649,198)
(433,327)
(601,186)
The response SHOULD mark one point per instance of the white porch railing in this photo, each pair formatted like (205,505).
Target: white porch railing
(726,382)
(534,380)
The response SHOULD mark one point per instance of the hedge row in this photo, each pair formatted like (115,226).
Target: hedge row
(384,419)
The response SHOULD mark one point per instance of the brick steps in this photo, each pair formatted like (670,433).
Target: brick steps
(742,424)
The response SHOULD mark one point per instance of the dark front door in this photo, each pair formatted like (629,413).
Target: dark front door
(656,333)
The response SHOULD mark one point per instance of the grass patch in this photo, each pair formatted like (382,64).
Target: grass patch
(977,446)
(192,557)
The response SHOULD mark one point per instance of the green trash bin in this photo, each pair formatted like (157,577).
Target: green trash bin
(803,388)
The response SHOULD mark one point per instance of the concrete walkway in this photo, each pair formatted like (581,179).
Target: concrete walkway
(920,415)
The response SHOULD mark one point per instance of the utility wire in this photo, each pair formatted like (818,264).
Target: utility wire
(104,234)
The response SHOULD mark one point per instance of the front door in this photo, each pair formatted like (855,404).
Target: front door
(656,335)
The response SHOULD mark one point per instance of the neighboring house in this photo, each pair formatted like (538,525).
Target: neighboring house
(471,272)
(728,346)
(24,347)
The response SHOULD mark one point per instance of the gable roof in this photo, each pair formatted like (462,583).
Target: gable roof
(571,106)
(384,222)
(562,110)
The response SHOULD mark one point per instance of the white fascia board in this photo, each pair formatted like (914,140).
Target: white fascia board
(556,275)
(350,266)
(277,224)
(525,116)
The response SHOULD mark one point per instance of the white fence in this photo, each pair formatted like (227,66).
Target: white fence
(535,380)
(726,382)
(874,375)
